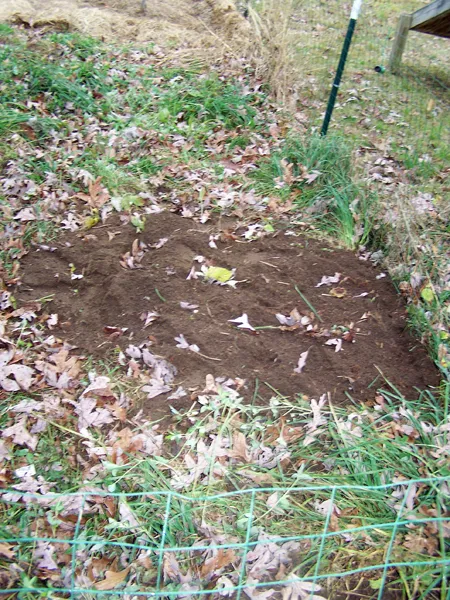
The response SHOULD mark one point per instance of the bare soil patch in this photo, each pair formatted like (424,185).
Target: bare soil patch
(109,295)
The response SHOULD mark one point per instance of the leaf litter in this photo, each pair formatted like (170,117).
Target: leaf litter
(206,455)
(115,432)
(242,322)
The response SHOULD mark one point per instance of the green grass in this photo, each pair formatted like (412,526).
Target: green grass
(61,83)
(211,101)
(66,72)
(374,457)
(333,199)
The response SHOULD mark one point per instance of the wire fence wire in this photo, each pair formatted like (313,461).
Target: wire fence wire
(148,561)
(408,110)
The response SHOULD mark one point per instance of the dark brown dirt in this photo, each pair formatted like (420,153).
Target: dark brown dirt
(109,295)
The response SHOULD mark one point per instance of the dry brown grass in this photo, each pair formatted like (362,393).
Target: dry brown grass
(271,48)
(202,29)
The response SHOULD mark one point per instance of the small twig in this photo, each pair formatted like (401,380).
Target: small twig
(208,357)
(270,265)
(48,298)
(330,404)
(66,429)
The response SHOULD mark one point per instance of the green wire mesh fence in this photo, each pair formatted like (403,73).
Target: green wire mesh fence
(165,544)
(407,110)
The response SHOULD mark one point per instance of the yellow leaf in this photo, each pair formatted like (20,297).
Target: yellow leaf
(338,292)
(427,294)
(219,274)
(90,222)
(112,579)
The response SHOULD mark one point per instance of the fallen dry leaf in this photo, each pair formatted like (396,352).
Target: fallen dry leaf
(301,590)
(52,321)
(274,131)
(7,550)
(155,388)
(112,579)
(329,280)
(288,176)
(282,432)
(336,342)
(91,416)
(311,177)
(26,214)
(20,435)
(25,471)
(301,362)
(171,568)
(160,243)
(23,377)
(421,544)
(272,500)
(132,259)
(99,386)
(182,343)
(97,194)
(242,322)
(212,566)
(188,306)
(43,555)
(62,372)
(149,317)
(240,448)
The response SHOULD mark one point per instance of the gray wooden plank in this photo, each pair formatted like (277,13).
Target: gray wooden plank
(429,12)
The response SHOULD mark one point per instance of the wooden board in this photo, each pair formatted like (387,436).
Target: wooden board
(433,19)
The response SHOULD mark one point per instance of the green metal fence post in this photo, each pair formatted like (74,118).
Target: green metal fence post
(340,69)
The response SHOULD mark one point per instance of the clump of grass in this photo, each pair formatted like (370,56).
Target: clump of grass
(209,100)
(333,200)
